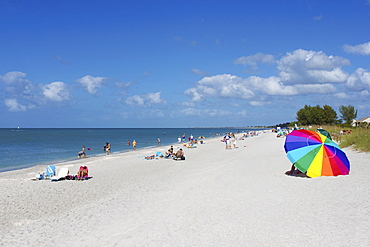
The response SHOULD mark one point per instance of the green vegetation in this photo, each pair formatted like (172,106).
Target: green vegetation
(357,137)
(326,118)
(348,113)
(316,115)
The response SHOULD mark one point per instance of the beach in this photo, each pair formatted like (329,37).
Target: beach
(216,197)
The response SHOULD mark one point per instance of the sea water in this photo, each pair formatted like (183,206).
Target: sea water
(21,148)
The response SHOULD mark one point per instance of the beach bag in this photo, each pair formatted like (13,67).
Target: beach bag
(70,177)
(182,157)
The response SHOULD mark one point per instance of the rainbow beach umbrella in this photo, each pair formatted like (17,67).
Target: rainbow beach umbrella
(315,154)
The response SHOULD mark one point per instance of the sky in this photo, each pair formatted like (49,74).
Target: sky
(177,64)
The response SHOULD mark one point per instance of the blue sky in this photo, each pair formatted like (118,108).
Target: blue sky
(180,63)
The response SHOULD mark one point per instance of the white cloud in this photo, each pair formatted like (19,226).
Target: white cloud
(204,112)
(92,83)
(365,93)
(242,113)
(145,100)
(301,72)
(199,72)
(359,80)
(259,103)
(227,86)
(155,98)
(123,84)
(194,94)
(19,89)
(17,85)
(231,86)
(135,100)
(341,95)
(14,106)
(362,49)
(14,77)
(56,91)
(310,67)
(314,88)
(253,60)
(270,86)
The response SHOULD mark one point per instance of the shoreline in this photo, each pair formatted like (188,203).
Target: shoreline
(62,161)
(94,158)
(216,197)
(68,154)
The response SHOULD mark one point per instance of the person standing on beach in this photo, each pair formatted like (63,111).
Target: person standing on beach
(134,144)
(159,142)
(227,142)
(107,148)
(234,142)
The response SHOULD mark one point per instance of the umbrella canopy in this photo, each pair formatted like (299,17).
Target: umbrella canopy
(325,133)
(201,137)
(315,154)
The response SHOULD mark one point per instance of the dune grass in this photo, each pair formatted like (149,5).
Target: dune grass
(359,139)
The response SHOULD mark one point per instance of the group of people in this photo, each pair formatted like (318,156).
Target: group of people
(170,154)
(133,144)
(228,143)
(345,132)
(183,138)
(107,148)
(179,155)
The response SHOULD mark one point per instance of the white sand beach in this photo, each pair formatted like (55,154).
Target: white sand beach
(216,197)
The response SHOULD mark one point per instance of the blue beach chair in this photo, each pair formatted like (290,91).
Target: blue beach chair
(50,171)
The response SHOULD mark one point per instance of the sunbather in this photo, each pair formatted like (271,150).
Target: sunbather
(83,173)
(179,155)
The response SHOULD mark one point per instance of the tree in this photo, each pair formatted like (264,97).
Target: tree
(303,115)
(330,115)
(348,113)
(316,115)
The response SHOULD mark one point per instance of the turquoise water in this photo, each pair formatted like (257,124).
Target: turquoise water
(22,148)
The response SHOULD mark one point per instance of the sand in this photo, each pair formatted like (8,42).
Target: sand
(216,197)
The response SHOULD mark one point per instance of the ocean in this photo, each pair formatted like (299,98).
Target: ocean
(26,147)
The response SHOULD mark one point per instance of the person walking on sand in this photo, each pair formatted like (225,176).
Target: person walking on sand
(134,144)
(234,143)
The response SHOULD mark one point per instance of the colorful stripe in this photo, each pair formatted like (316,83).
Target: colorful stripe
(316,154)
